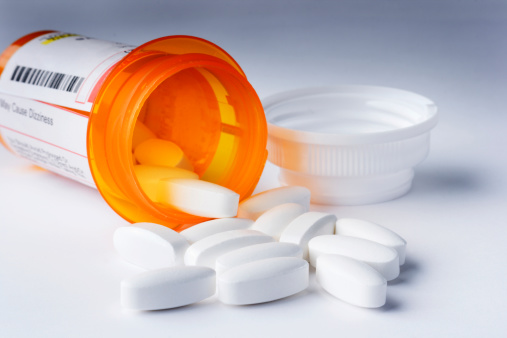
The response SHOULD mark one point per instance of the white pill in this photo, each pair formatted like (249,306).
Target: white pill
(352,281)
(256,253)
(373,232)
(168,288)
(383,259)
(254,206)
(198,198)
(274,221)
(311,224)
(206,251)
(263,281)
(208,228)
(149,176)
(150,245)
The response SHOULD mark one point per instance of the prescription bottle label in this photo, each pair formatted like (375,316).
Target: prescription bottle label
(51,137)
(61,68)
(43,78)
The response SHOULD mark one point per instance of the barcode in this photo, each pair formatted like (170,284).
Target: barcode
(47,79)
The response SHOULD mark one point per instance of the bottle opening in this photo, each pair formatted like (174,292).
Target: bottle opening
(355,114)
(206,119)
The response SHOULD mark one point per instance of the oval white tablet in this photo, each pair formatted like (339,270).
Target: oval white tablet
(274,221)
(208,228)
(383,259)
(254,206)
(256,253)
(305,227)
(206,251)
(373,232)
(198,198)
(263,281)
(352,281)
(168,288)
(150,245)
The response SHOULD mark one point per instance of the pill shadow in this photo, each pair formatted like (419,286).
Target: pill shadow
(447,180)
(191,308)
(277,302)
(408,272)
(390,305)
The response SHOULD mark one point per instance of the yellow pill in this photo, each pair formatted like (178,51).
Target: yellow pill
(149,177)
(141,134)
(162,153)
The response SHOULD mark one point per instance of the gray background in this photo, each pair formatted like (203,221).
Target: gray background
(59,275)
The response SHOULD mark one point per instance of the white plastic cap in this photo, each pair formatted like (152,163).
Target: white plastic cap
(349,145)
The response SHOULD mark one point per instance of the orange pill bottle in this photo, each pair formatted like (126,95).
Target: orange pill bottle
(69,103)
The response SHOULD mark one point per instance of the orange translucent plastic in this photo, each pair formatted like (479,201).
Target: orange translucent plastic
(186,90)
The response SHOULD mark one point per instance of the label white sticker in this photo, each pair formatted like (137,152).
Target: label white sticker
(51,137)
(65,71)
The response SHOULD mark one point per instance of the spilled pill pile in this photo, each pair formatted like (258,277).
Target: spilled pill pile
(256,251)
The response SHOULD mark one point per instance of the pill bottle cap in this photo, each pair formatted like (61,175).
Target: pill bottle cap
(350,145)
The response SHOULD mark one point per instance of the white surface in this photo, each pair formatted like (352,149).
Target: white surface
(60,276)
